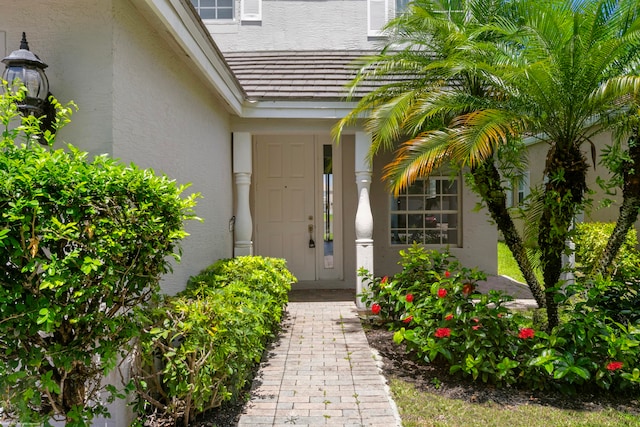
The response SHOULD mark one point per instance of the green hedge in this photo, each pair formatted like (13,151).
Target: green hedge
(590,240)
(200,347)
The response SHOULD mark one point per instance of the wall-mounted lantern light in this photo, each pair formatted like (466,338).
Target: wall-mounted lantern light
(24,65)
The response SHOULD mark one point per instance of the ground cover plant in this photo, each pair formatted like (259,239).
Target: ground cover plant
(82,243)
(200,348)
(441,319)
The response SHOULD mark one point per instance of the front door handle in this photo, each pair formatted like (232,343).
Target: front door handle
(312,244)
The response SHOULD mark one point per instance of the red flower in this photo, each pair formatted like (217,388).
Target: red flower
(408,319)
(409,297)
(467,289)
(614,366)
(443,332)
(447,274)
(448,316)
(526,333)
(476,320)
(375,308)
(442,293)
(384,280)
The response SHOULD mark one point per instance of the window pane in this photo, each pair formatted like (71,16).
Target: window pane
(225,14)
(450,203)
(208,13)
(416,203)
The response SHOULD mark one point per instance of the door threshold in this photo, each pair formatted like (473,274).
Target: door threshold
(323,284)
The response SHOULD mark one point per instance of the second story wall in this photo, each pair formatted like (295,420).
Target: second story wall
(299,25)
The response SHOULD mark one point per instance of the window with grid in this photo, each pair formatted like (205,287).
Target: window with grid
(214,9)
(428,213)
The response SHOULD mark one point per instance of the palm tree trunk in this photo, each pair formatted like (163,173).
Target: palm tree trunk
(628,209)
(488,186)
(564,194)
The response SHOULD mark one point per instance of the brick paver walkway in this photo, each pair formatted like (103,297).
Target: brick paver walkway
(321,371)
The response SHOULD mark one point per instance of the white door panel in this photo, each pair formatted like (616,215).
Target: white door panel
(285,195)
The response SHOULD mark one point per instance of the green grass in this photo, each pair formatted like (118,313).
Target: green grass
(507,265)
(421,409)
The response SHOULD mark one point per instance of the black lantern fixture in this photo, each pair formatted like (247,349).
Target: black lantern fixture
(24,65)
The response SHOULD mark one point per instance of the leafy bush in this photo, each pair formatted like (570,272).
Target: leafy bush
(442,320)
(200,348)
(591,238)
(420,269)
(81,244)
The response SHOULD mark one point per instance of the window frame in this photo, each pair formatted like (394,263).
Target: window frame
(401,232)
(198,8)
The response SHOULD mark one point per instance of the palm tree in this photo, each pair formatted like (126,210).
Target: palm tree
(472,78)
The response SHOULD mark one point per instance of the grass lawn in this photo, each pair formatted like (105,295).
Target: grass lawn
(421,409)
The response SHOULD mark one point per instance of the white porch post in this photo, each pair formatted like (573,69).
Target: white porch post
(364,217)
(242,166)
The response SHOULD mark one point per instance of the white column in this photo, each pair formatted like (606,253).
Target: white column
(242,166)
(364,217)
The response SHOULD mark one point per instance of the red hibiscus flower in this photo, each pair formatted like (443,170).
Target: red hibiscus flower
(614,366)
(408,319)
(442,293)
(443,333)
(375,308)
(447,274)
(448,316)
(467,289)
(475,328)
(384,280)
(409,297)
(526,333)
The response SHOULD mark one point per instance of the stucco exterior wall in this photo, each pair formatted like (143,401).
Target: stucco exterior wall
(537,154)
(298,25)
(75,40)
(479,236)
(166,119)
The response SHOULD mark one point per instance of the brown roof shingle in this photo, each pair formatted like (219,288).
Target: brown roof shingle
(301,75)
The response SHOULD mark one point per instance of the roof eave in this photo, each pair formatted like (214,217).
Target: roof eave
(188,31)
(297,109)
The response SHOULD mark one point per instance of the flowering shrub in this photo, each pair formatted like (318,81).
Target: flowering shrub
(442,318)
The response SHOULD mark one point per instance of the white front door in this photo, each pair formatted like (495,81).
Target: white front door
(285,209)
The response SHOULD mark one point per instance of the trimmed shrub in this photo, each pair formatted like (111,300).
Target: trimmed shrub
(81,244)
(200,348)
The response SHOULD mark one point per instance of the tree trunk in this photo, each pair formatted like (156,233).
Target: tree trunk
(566,170)
(488,185)
(628,209)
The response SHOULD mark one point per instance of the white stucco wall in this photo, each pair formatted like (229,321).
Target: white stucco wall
(166,119)
(74,39)
(298,25)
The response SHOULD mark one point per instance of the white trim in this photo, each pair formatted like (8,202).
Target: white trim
(377,16)
(296,109)
(251,10)
(187,30)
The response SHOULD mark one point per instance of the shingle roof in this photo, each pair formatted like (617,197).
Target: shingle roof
(301,75)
